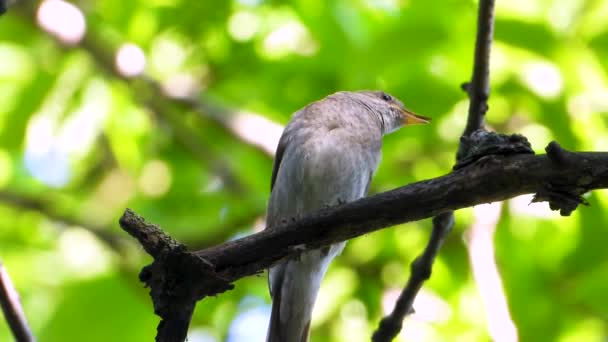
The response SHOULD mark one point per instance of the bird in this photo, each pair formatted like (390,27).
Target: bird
(326,156)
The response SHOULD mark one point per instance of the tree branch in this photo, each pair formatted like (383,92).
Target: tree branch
(179,278)
(421,268)
(479,88)
(478,91)
(13,312)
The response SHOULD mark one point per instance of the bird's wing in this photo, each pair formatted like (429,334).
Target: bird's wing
(295,127)
(278,158)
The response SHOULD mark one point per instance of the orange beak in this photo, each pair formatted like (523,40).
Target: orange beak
(411,118)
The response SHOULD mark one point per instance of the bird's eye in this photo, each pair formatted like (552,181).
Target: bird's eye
(386,97)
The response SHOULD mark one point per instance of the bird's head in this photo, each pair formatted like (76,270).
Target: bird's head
(390,111)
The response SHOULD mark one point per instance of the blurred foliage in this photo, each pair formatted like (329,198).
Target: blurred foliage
(79,142)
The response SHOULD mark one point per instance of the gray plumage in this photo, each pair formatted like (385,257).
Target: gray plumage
(326,156)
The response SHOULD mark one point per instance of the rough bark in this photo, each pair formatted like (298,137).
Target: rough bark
(179,278)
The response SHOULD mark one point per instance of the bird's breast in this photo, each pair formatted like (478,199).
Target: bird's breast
(323,170)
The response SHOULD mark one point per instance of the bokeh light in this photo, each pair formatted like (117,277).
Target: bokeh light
(175,108)
(130,60)
(63,20)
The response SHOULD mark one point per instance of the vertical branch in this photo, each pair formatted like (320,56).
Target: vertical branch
(479,88)
(13,313)
(420,272)
(479,91)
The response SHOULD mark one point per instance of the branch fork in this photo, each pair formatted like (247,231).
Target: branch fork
(177,278)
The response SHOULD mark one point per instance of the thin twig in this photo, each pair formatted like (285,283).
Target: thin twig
(479,88)
(11,306)
(478,91)
(420,272)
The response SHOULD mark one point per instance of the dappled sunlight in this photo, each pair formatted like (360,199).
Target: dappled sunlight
(543,78)
(130,60)
(42,157)
(438,65)
(174,109)
(82,253)
(419,331)
(80,129)
(167,55)
(451,125)
(290,37)
(591,329)
(587,125)
(595,19)
(257,130)
(202,335)
(244,25)
(174,64)
(352,324)
(386,6)
(501,63)
(338,285)
(521,9)
(481,255)
(49,141)
(588,103)
(428,306)
(250,325)
(110,197)
(250,2)
(562,14)
(538,135)
(181,85)
(155,178)
(523,206)
(394,273)
(63,20)
(584,66)
(22,67)
(52,145)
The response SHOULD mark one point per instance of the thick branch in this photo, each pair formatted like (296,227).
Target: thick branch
(9,301)
(490,179)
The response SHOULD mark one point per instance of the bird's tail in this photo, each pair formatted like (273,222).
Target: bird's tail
(281,331)
(294,285)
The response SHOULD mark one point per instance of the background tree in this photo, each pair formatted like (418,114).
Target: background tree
(82,136)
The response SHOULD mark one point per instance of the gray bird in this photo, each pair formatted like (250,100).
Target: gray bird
(326,156)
